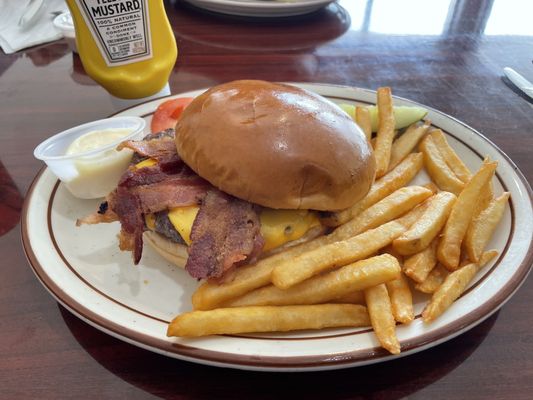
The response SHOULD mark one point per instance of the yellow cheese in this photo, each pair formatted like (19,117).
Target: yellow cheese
(146,163)
(182,219)
(149,219)
(277,226)
(281,226)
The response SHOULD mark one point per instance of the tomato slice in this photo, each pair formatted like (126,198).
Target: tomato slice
(168,113)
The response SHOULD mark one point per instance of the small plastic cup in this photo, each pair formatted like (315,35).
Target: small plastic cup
(90,174)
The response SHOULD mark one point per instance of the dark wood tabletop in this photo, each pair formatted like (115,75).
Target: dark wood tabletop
(446,54)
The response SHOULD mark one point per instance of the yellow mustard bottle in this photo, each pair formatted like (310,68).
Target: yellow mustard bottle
(127,46)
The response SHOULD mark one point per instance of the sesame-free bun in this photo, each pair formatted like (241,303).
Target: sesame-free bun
(276,145)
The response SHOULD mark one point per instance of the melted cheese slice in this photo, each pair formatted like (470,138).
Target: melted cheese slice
(182,219)
(277,226)
(281,226)
(145,163)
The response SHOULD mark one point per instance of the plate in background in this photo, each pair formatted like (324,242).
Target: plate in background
(261,8)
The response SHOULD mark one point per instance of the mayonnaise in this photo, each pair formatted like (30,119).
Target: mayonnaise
(98,174)
(96,139)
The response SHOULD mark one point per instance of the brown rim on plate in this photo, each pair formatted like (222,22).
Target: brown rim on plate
(375,354)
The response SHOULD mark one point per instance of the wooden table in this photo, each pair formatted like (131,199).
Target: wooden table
(445,56)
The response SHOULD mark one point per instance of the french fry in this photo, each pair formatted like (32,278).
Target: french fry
(423,231)
(267,319)
(390,250)
(453,286)
(380,311)
(356,297)
(291,272)
(385,134)
(323,288)
(437,168)
(450,156)
(401,299)
(362,118)
(338,250)
(392,206)
(419,265)
(435,278)
(449,249)
(405,144)
(249,277)
(485,196)
(482,227)
(431,186)
(395,179)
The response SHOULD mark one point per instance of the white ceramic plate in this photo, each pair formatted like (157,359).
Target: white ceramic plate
(261,8)
(84,270)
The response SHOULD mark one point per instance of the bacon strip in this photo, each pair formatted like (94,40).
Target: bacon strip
(160,146)
(173,192)
(154,174)
(105,213)
(128,208)
(225,232)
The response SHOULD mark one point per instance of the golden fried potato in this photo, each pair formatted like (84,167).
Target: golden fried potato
(362,118)
(336,250)
(449,249)
(419,265)
(249,277)
(437,168)
(450,156)
(453,286)
(323,288)
(422,233)
(483,226)
(386,132)
(381,317)
(401,299)
(407,142)
(291,272)
(387,209)
(435,278)
(267,319)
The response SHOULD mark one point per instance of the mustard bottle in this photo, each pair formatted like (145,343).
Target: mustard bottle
(127,46)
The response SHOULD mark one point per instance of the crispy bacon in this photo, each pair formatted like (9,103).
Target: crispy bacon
(160,146)
(173,192)
(225,232)
(128,208)
(154,174)
(105,213)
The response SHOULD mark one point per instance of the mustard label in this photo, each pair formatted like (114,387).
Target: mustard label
(120,28)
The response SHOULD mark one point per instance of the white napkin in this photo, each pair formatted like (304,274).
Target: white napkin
(14,37)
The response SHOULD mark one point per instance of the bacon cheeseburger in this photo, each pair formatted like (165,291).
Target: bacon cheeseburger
(250,164)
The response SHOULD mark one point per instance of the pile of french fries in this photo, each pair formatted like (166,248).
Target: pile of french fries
(399,238)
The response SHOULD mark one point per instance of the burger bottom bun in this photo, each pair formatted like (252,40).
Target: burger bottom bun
(176,253)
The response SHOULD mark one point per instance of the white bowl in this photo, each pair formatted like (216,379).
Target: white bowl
(90,174)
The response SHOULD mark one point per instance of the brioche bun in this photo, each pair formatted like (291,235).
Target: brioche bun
(276,145)
(175,253)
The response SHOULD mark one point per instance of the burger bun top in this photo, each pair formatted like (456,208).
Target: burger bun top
(276,145)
